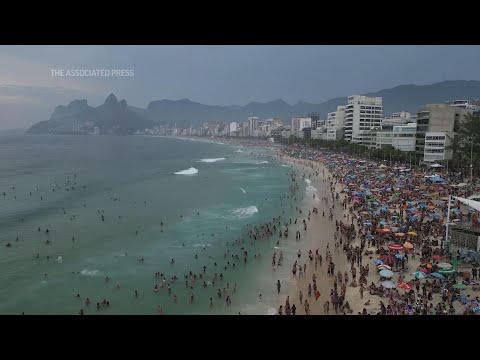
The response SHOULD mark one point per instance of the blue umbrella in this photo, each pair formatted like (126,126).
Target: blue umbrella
(388,284)
(414,218)
(369,236)
(436,216)
(386,273)
(383,223)
(375,203)
(419,275)
(378,262)
(400,256)
(367,223)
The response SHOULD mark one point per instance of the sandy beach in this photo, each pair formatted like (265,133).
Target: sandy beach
(320,236)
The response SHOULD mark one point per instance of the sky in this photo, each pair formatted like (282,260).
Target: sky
(215,75)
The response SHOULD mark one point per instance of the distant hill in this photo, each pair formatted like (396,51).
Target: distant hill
(117,117)
(113,117)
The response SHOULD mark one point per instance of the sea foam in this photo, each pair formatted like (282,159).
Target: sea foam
(243,190)
(262,162)
(211,160)
(308,181)
(189,171)
(312,189)
(89,272)
(242,213)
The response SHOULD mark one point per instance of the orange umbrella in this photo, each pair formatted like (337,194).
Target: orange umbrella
(408,245)
(400,234)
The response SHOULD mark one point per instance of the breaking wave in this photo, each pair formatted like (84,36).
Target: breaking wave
(242,213)
(211,160)
(189,171)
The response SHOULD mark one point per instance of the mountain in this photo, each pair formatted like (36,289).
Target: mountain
(119,118)
(113,117)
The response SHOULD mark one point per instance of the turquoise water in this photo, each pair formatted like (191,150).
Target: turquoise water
(131,181)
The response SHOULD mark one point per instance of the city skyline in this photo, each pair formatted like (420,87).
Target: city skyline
(216,75)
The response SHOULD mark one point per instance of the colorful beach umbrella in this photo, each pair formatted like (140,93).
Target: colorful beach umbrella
(437,275)
(388,259)
(413,233)
(419,275)
(388,284)
(447,271)
(395,247)
(408,245)
(400,234)
(444,265)
(378,262)
(459,286)
(383,267)
(386,274)
(405,286)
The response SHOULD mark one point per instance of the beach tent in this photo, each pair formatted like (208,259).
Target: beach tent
(472,203)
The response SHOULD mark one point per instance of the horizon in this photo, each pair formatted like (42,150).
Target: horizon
(34,80)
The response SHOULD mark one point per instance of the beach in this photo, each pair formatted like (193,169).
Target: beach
(373,299)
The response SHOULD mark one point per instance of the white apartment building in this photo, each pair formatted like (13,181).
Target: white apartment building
(253,124)
(233,127)
(335,124)
(363,117)
(404,137)
(435,147)
(300,123)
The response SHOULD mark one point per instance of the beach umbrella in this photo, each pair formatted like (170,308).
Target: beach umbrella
(419,275)
(444,265)
(388,284)
(383,267)
(437,275)
(395,247)
(364,213)
(405,286)
(367,223)
(383,223)
(378,262)
(399,256)
(408,245)
(388,259)
(437,257)
(400,234)
(447,271)
(412,233)
(369,236)
(459,286)
(386,273)
(456,262)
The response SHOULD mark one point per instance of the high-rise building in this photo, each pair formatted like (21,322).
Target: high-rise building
(363,117)
(299,123)
(253,124)
(315,119)
(335,124)
(438,123)
(233,127)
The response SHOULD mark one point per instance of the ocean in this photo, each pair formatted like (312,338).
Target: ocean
(205,194)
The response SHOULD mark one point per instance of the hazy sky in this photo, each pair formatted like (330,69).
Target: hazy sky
(217,75)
